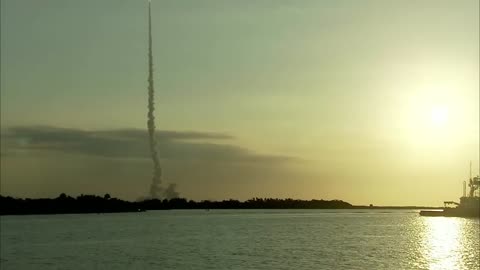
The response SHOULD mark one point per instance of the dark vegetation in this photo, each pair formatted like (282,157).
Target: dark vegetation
(64,204)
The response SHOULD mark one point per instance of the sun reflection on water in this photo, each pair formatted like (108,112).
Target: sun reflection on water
(445,243)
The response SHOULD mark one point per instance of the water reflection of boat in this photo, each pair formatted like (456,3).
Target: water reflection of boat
(469,205)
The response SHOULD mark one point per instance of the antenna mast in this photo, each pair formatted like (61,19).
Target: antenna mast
(470,171)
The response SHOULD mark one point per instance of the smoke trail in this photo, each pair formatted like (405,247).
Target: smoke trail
(155,188)
(170,192)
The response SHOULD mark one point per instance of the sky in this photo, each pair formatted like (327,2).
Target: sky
(371,102)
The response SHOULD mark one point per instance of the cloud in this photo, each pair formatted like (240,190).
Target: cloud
(131,143)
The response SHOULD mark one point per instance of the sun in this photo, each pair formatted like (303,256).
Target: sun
(439,116)
(429,121)
(435,116)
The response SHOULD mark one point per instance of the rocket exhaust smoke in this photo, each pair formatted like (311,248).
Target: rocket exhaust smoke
(156,190)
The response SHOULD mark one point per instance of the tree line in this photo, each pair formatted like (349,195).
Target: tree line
(65,204)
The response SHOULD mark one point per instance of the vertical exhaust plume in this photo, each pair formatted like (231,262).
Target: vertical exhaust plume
(155,188)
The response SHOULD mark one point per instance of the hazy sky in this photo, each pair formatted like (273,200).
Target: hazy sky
(364,101)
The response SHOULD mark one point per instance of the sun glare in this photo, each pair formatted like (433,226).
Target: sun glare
(442,243)
(430,117)
(428,122)
(439,116)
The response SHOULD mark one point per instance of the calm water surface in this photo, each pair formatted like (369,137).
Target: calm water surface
(240,239)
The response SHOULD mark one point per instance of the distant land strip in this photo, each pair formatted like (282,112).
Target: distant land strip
(64,204)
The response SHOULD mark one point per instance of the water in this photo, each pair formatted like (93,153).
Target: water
(240,239)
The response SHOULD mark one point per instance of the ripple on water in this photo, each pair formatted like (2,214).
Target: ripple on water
(229,239)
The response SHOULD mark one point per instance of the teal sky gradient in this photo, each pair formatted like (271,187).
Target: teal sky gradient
(339,85)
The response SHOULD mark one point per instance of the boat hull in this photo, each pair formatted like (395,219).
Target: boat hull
(451,212)
(432,213)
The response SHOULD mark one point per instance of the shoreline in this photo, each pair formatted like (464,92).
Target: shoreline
(91,204)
